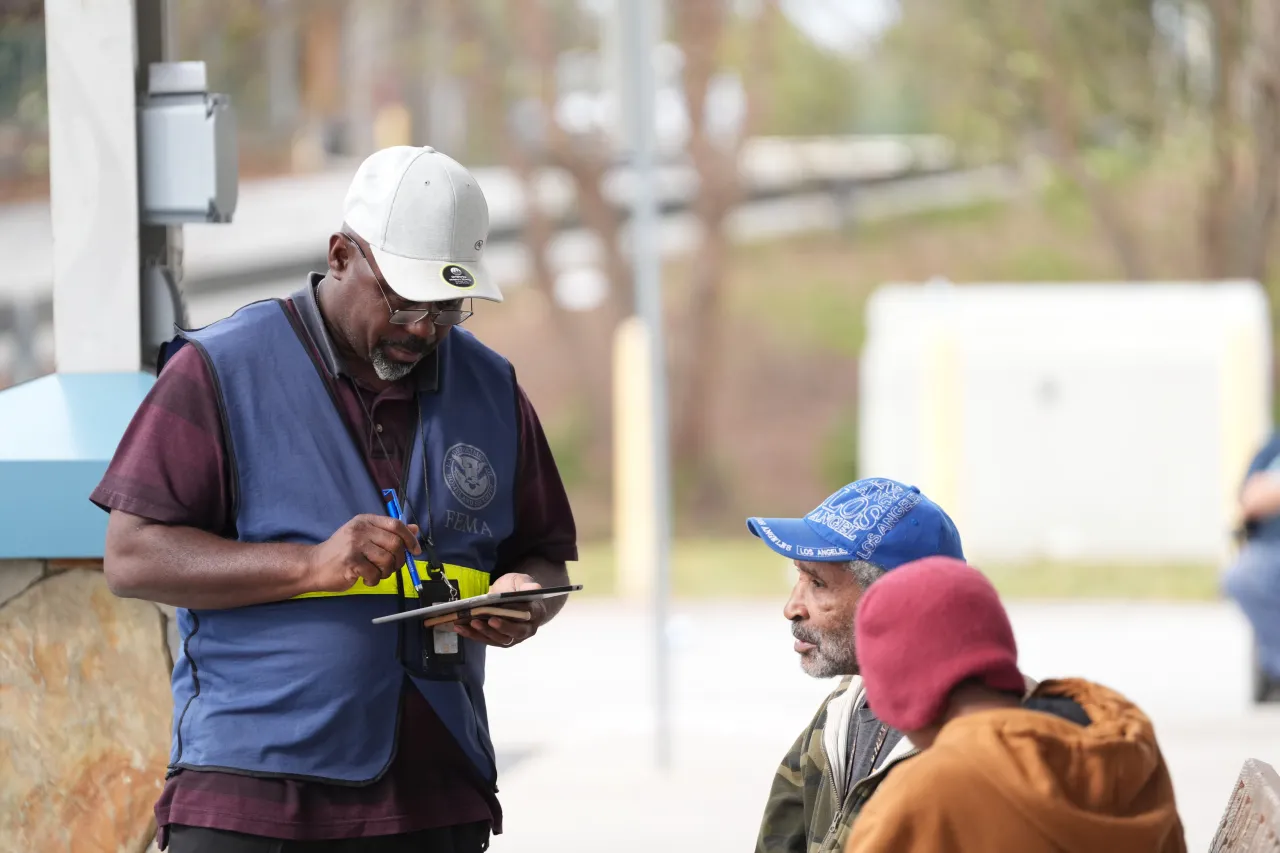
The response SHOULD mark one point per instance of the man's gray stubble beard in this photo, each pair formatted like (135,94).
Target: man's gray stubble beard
(835,653)
(387,369)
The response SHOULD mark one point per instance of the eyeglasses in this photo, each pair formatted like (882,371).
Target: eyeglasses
(452,312)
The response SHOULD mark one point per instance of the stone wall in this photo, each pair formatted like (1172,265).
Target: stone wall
(85,710)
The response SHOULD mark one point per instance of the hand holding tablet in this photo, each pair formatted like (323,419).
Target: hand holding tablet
(458,610)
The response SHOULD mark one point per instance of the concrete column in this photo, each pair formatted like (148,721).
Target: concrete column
(93,185)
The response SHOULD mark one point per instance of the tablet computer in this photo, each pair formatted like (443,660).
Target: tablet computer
(478,601)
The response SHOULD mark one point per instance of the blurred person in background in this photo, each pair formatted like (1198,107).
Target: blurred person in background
(1074,768)
(1253,580)
(247,493)
(864,530)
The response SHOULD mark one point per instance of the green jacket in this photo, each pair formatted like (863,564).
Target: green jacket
(831,770)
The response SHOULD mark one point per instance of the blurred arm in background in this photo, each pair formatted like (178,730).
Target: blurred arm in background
(1260,494)
(1260,497)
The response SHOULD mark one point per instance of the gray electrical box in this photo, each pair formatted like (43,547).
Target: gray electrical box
(188,162)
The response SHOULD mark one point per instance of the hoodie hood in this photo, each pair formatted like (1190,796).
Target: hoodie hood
(1082,788)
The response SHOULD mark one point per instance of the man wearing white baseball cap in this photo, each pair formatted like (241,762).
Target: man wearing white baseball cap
(256,491)
(425,221)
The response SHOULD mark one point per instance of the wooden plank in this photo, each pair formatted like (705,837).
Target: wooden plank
(1251,822)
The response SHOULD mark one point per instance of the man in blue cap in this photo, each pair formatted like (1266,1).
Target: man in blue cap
(864,530)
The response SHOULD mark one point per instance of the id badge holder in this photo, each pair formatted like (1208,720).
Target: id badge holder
(442,649)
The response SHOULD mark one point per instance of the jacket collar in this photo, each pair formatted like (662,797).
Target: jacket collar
(427,373)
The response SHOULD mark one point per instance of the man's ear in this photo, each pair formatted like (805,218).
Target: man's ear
(340,253)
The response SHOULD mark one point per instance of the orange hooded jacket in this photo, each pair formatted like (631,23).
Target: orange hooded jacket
(1028,781)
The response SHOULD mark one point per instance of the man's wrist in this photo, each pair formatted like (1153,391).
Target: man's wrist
(299,573)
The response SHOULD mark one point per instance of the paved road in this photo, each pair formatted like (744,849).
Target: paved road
(572,716)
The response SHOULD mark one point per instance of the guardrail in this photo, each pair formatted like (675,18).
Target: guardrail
(278,220)
(275,233)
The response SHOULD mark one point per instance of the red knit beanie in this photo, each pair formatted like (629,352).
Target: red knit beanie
(924,628)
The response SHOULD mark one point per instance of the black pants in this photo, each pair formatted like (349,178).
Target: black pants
(468,838)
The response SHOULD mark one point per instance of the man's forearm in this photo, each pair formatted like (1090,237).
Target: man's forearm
(547,573)
(186,567)
(1260,497)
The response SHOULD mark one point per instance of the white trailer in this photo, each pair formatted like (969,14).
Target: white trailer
(1085,422)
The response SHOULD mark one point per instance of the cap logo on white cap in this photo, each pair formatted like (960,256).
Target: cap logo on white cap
(458,277)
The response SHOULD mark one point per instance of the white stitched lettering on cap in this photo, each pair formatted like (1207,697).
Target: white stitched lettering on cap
(764,528)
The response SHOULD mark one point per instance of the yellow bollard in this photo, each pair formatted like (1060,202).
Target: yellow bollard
(635,529)
(393,125)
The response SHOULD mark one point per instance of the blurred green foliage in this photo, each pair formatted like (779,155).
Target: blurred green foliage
(1042,263)
(230,36)
(567,436)
(838,452)
(740,567)
(978,66)
(24,149)
(811,91)
(21,70)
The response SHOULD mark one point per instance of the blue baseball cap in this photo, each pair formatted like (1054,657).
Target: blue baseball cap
(873,520)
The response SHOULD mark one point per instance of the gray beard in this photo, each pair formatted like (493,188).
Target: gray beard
(387,369)
(835,653)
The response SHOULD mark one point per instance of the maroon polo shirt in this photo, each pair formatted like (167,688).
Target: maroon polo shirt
(171,466)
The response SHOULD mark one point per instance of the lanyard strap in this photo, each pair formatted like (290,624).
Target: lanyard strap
(435,568)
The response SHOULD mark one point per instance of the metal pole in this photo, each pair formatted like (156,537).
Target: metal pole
(160,246)
(26,320)
(637,49)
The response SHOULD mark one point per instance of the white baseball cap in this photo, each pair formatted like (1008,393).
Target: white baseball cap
(426,221)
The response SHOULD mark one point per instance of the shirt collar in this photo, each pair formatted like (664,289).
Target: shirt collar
(427,372)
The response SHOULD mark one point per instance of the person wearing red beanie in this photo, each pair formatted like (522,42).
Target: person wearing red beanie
(1075,768)
(926,628)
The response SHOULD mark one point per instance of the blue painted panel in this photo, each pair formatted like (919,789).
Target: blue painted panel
(57,435)
(45,510)
(69,416)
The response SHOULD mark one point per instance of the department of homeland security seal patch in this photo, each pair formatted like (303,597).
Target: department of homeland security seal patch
(469,476)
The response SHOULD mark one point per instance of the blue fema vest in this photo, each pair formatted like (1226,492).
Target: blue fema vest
(309,688)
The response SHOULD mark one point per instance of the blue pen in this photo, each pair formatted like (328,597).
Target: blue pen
(393,509)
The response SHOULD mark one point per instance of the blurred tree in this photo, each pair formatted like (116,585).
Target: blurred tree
(1263,59)
(508,65)
(1062,76)
(798,105)
(700,28)
(514,59)
(887,100)
(1239,211)
(23,104)
(230,38)
(1076,77)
